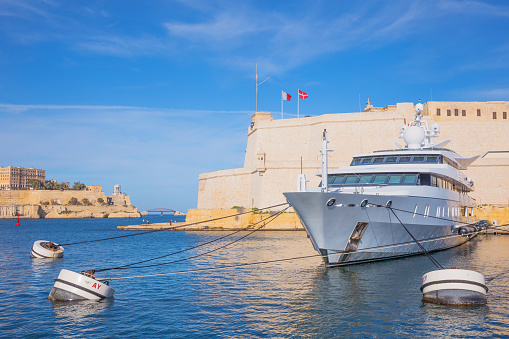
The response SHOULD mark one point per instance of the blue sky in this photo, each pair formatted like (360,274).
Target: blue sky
(149,94)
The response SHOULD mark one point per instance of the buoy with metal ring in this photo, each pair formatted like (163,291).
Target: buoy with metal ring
(454,287)
(46,249)
(71,286)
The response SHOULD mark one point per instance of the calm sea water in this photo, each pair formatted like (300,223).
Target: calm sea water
(299,299)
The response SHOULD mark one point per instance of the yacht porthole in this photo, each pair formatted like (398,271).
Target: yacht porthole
(331,202)
(389,204)
(364,202)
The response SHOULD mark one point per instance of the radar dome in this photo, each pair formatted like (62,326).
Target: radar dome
(414,137)
(419,108)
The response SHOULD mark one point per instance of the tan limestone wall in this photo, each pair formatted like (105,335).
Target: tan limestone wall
(90,212)
(499,213)
(31,204)
(285,221)
(37,197)
(24,211)
(225,189)
(231,221)
(16,198)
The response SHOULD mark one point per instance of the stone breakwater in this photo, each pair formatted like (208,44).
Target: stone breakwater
(231,220)
(56,204)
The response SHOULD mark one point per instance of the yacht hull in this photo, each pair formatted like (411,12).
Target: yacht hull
(346,232)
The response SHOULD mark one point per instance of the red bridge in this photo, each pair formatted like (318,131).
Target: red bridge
(161,210)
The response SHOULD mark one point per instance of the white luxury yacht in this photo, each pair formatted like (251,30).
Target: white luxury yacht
(359,213)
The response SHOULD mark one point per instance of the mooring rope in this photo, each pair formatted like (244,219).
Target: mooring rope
(211,268)
(175,227)
(130,266)
(433,260)
(497,275)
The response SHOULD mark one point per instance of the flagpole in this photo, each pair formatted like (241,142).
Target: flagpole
(298,97)
(281,104)
(257,84)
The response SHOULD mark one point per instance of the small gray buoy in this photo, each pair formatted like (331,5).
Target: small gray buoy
(70,286)
(454,287)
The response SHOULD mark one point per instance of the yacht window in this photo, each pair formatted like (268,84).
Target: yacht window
(378,160)
(351,179)
(432,159)
(379,178)
(338,180)
(330,179)
(355,161)
(418,159)
(409,179)
(395,178)
(404,159)
(365,179)
(390,160)
(366,161)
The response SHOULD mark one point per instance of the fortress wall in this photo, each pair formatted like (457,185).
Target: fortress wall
(225,189)
(275,147)
(469,138)
(63,197)
(16,198)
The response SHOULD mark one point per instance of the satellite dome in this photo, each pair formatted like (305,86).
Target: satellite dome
(414,137)
(419,108)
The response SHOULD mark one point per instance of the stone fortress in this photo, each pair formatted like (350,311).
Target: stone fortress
(57,204)
(275,149)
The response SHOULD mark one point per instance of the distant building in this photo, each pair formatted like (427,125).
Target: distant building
(19,177)
(118,198)
(97,189)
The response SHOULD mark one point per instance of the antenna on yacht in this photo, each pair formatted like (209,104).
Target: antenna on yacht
(324,151)
(301,180)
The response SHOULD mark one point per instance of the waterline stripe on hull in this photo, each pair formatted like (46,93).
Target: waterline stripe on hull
(383,255)
(37,255)
(454,282)
(409,243)
(80,288)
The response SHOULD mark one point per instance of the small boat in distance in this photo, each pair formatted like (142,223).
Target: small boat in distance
(357,213)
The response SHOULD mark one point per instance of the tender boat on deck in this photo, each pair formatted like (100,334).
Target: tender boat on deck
(357,212)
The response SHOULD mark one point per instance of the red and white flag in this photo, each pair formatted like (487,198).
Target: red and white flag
(286,96)
(302,95)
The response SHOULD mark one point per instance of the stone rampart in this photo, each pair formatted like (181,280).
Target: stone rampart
(55,204)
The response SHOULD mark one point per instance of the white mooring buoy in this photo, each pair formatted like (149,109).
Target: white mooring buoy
(46,249)
(70,286)
(454,287)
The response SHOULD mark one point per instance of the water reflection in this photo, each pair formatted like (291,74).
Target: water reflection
(77,310)
(454,320)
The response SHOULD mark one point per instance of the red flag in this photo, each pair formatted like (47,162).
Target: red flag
(286,96)
(302,95)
